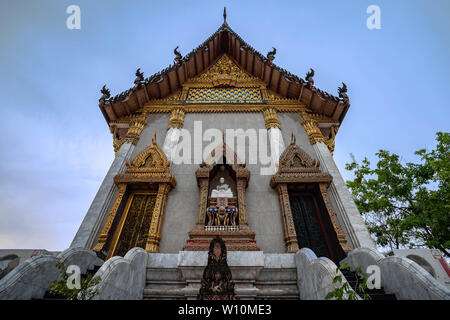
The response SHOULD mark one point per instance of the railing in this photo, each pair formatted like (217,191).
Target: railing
(222,228)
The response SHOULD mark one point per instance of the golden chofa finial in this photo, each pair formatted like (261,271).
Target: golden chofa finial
(225,15)
(154,139)
(292,138)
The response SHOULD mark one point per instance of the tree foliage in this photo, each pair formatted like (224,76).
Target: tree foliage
(87,289)
(406,205)
(345,291)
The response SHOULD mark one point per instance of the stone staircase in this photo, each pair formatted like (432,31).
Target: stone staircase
(374,294)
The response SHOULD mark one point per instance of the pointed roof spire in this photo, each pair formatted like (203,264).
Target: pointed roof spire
(225,16)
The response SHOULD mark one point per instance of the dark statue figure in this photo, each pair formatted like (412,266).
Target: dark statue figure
(216,282)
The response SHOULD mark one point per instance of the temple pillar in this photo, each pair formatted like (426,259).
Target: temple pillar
(275,138)
(348,214)
(96,215)
(173,132)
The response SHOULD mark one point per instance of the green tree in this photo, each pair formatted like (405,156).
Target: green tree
(406,205)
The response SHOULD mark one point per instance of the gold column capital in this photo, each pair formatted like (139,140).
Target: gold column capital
(137,124)
(312,130)
(176,118)
(271,118)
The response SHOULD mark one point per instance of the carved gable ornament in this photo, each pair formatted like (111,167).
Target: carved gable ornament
(224,68)
(296,166)
(150,166)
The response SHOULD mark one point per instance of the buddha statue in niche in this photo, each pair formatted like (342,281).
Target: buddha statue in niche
(222,190)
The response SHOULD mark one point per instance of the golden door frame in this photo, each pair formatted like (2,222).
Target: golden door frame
(149,169)
(124,217)
(296,167)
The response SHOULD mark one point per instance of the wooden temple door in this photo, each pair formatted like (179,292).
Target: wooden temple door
(309,220)
(135,223)
(312,226)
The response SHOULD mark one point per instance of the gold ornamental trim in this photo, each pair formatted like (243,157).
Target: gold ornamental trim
(150,166)
(297,167)
(271,118)
(176,118)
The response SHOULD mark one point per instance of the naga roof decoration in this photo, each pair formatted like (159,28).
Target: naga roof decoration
(224,42)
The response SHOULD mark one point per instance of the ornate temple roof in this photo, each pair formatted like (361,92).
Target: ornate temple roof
(170,80)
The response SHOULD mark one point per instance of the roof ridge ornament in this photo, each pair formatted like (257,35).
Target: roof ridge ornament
(178,57)
(106,94)
(139,78)
(309,77)
(225,16)
(271,55)
(343,91)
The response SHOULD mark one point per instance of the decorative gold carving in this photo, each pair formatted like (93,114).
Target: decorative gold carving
(150,166)
(154,233)
(224,69)
(111,215)
(330,142)
(334,219)
(241,238)
(176,118)
(117,142)
(290,236)
(137,124)
(133,227)
(271,118)
(320,118)
(297,167)
(313,131)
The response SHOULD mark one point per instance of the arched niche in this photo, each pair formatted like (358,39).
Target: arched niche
(237,237)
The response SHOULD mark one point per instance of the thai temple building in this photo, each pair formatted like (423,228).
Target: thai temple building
(223,143)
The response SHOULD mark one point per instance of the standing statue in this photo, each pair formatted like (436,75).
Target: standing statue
(216,282)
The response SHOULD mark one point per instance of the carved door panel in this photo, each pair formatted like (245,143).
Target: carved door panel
(135,223)
(310,225)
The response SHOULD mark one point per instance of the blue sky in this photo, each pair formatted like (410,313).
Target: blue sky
(56,147)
